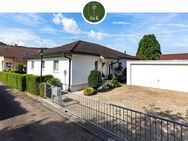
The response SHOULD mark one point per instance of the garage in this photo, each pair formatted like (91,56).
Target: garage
(171,75)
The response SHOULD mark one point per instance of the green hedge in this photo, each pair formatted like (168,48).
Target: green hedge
(41,90)
(32,84)
(23,82)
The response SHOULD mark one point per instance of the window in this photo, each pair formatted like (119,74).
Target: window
(32,64)
(56,65)
(96,65)
(8,65)
(43,64)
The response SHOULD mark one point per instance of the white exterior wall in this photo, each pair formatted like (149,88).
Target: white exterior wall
(83,64)
(62,74)
(81,67)
(170,75)
(1,63)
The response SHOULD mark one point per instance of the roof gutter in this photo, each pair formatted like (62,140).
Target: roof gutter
(69,85)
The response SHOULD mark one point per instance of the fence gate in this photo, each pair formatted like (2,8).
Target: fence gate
(124,123)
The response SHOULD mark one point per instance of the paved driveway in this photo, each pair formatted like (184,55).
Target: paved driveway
(23,118)
(165,103)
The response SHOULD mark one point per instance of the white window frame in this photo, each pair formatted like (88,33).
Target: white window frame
(56,68)
(32,65)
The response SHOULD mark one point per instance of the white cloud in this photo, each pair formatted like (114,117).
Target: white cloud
(24,37)
(120,22)
(30,19)
(48,30)
(69,25)
(174,25)
(96,35)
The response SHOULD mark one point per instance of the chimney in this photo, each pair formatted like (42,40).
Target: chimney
(125,52)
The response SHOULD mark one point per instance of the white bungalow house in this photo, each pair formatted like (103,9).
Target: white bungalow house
(72,63)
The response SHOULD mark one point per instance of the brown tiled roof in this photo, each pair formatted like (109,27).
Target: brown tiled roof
(17,52)
(181,56)
(83,47)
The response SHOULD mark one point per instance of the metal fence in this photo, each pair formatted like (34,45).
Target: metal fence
(124,123)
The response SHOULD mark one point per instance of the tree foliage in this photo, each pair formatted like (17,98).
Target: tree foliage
(149,48)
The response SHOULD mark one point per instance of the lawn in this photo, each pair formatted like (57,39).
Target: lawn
(165,103)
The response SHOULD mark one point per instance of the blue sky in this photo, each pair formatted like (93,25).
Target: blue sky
(119,31)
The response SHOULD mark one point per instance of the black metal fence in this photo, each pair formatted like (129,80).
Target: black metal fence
(124,123)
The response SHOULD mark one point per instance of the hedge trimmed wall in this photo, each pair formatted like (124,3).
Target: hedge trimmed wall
(23,82)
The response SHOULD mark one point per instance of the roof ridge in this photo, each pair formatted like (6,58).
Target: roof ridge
(13,46)
(75,45)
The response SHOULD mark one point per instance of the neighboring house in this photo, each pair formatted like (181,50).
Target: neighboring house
(179,56)
(72,63)
(11,56)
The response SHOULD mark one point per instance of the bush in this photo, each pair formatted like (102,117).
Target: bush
(41,90)
(13,70)
(47,77)
(32,84)
(115,82)
(95,79)
(20,68)
(88,91)
(55,82)
(121,78)
(14,80)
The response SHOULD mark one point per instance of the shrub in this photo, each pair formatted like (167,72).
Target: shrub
(55,82)
(13,70)
(20,68)
(47,77)
(95,79)
(32,84)
(115,82)
(12,79)
(41,90)
(121,78)
(88,91)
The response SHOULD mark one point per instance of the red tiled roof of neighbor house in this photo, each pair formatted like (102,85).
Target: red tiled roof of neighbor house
(17,52)
(180,56)
(83,47)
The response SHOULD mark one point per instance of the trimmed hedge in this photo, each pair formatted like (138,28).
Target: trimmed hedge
(23,82)
(32,84)
(41,90)
(47,77)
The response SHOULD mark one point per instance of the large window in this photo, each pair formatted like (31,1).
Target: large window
(8,65)
(43,64)
(32,64)
(56,65)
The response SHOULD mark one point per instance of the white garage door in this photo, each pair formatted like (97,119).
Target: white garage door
(172,76)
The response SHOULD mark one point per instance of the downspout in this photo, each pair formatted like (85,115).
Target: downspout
(69,85)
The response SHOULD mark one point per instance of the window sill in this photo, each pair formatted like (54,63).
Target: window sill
(56,71)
